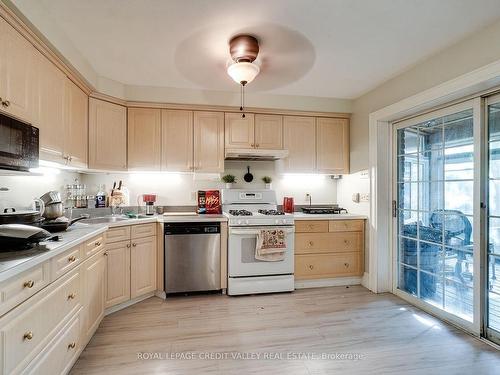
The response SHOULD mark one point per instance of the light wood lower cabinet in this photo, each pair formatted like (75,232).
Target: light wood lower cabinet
(328,249)
(117,273)
(131,262)
(93,270)
(142,266)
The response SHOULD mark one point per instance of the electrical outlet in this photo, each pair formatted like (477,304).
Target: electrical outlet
(355,198)
(364,197)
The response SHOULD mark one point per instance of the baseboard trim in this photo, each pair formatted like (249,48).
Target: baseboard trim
(321,283)
(365,280)
(126,304)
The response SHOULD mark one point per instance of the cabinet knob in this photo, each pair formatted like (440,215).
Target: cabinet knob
(29,284)
(346,242)
(106,253)
(253,145)
(97,243)
(28,335)
(71,345)
(311,266)
(257,145)
(311,243)
(134,244)
(346,265)
(6,103)
(128,245)
(72,296)
(71,258)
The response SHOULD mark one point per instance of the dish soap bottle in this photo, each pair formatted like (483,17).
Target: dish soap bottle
(100,198)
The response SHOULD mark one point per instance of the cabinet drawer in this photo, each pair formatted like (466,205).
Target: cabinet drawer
(65,262)
(307,243)
(118,234)
(20,287)
(61,352)
(311,226)
(93,246)
(320,266)
(346,225)
(143,230)
(27,329)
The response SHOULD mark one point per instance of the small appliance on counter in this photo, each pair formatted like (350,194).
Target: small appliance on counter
(209,202)
(288,205)
(150,200)
(330,210)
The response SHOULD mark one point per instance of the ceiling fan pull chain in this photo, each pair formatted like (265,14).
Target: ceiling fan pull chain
(242,99)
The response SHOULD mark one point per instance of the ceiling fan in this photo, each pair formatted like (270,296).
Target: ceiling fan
(244,50)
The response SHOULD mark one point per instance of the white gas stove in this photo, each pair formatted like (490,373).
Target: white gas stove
(250,212)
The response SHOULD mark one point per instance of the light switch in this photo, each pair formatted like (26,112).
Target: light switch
(355,197)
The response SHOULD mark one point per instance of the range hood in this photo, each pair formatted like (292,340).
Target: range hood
(254,154)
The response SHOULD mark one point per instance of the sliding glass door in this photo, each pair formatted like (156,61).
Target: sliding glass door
(492,315)
(434,212)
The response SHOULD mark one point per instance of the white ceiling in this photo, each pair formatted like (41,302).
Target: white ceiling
(322,48)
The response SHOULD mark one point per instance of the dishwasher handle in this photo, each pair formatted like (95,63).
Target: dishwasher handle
(191,228)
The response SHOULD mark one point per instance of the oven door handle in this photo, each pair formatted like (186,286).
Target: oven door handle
(243,231)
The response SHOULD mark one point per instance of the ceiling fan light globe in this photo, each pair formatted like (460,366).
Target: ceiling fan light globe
(243,72)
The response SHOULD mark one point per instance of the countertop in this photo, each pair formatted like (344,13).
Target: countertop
(14,263)
(192,218)
(303,216)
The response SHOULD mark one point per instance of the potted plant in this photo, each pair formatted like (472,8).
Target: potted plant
(268,181)
(229,179)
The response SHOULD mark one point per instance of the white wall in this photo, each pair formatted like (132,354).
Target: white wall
(176,189)
(470,53)
(22,189)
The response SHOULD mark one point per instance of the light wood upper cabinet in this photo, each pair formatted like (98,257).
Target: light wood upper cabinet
(209,142)
(17,59)
(117,273)
(240,132)
(144,139)
(76,129)
(177,140)
(142,266)
(332,140)
(49,109)
(269,132)
(299,138)
(107,135)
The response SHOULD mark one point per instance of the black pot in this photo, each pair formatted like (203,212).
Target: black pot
(13,216)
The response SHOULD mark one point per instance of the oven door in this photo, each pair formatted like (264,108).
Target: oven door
(241,253)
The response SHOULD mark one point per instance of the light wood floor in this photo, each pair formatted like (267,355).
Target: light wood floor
(391,336)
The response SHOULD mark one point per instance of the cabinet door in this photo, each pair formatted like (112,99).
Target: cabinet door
(269,132)
(144,139)
(94,300)
(76,138)
(332,140)
(50,105)
(239,131)
(209,142)
(142,266)
(177,140)
(117,273)
(107,135)
(16,65)
(299,139)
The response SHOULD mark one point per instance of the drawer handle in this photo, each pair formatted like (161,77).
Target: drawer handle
(71,258)
(6,103)
(134,244)
(29,284)
(97,243)
(311,266)
(28,335)
(311,243)
(346,265)
(72,345)
(72,296)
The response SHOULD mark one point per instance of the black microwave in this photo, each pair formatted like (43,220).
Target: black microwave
(19,143)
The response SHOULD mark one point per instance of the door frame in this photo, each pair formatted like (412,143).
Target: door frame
(476,104)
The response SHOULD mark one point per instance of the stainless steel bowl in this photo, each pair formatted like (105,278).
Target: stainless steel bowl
(51,197)
(53,211)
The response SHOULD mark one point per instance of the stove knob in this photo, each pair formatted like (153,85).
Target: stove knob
(247,221)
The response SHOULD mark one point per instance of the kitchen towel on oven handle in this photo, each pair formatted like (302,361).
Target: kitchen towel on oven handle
(271,245)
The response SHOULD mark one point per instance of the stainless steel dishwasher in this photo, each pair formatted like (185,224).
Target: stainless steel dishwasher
(192,257)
